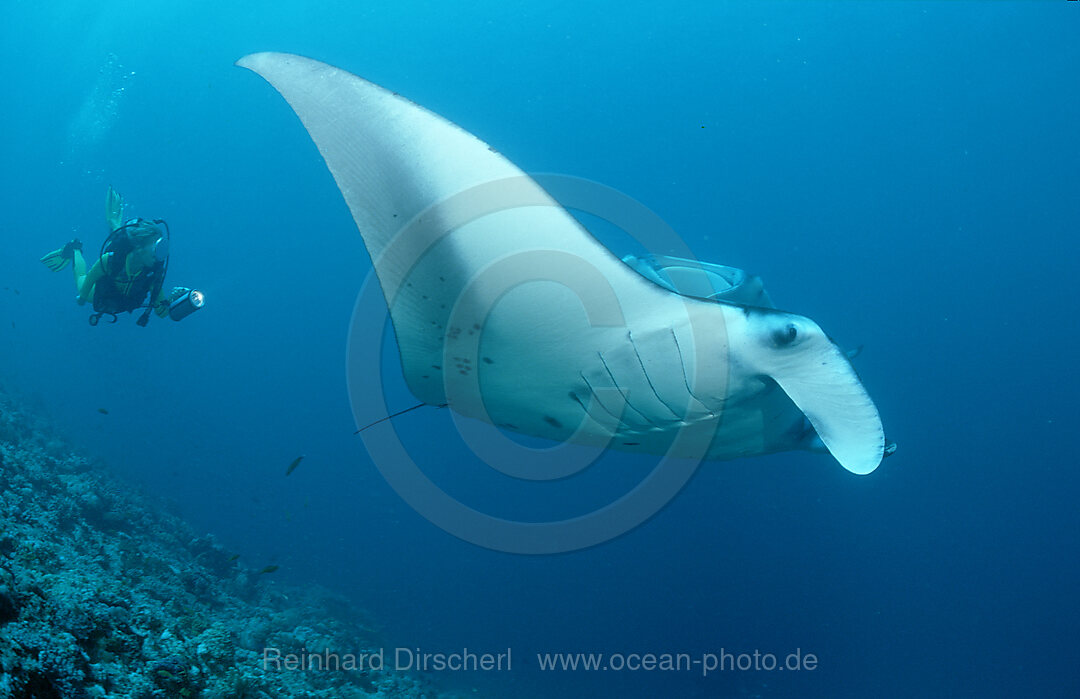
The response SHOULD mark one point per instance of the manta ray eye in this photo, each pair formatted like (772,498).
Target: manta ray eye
(786,335)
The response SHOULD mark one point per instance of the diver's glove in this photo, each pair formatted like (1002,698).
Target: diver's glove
(177,292)
(162,308)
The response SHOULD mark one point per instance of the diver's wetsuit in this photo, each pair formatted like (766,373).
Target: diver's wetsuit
(127,282)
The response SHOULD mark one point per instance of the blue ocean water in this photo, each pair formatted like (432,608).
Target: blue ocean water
(905,173)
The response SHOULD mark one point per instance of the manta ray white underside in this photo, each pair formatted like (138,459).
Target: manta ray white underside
(508,310)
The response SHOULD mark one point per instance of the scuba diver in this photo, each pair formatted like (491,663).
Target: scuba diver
(130,271)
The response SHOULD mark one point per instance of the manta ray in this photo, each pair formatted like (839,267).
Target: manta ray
(506,309)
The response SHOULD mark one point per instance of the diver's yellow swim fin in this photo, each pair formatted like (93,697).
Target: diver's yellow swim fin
(58,259)
(114,209)
(55,260)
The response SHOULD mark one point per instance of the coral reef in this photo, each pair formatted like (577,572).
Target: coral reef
(103,594)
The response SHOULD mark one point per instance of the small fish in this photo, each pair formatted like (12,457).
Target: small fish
(293,465)
(103,411)
(234,557)
(268,569)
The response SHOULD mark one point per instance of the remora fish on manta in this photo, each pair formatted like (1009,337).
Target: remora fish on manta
(505,308)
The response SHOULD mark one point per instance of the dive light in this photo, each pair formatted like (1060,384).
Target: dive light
(187,304)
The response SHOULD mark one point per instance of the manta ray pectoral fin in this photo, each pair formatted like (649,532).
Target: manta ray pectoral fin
(820,381)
